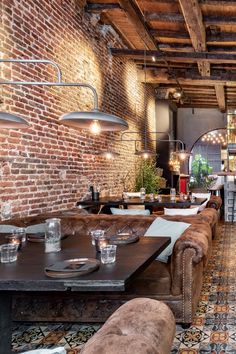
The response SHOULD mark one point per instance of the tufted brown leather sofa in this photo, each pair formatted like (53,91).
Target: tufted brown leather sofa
(140,326)
(177,283)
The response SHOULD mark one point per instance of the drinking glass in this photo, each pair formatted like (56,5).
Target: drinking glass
(173,194)
(125,196)
(8,253)
(142,193)
(53,235)
(6,211)
(95,234)
(108,254)
(15,239)
(20,232)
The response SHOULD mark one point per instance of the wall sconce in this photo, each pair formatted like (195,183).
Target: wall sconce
(182,153)
(94,120)
(109,155)
(11,121)
(146,153)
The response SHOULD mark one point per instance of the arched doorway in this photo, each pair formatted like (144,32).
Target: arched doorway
(212,146)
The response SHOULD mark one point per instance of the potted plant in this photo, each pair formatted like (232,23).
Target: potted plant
(200,172)
(149,177)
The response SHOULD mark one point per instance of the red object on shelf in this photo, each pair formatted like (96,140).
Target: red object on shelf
(183,183)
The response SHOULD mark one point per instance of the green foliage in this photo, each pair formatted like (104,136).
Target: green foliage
(148,176)
(200,173)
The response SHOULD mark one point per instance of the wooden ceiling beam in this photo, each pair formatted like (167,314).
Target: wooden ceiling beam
(219,21)
(193,19)
(136,19)
(155,77)
(217,2)
(169,34)
(175,56)
(164,17)
(220,95)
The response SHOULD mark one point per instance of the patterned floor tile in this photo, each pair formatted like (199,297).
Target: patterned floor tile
(213,329)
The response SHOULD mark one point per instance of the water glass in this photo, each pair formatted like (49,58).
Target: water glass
(53,235)
(95,234)
(8,253)
(15,239)
(20,232)
(6,211)
(173,194)
(142,193)
(125,196)
(108,254)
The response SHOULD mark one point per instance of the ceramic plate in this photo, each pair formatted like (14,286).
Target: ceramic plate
(123,238)
(72,267)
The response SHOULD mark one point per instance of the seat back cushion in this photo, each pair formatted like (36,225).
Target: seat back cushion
(118,211)
(161,227)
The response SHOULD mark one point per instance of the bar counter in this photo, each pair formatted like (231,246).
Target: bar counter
(229,189)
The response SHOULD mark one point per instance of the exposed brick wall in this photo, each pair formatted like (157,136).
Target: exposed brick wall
(47,166)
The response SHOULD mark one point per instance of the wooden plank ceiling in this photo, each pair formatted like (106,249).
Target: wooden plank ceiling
(190,46)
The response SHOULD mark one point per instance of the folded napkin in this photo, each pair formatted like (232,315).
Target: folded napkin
(59,350)
(133,194)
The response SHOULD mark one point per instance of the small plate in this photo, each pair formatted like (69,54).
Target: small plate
(39,237)
(72,267)
(123,239)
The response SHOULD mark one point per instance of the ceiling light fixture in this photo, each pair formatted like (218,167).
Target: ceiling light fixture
(95,120)
(177,94)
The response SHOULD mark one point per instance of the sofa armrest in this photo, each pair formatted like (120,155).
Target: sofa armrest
(140,326)
(194,243)
(214,202)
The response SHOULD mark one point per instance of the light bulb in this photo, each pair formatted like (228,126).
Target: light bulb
(95,127)
(182,155)
(109,155)
(145,155)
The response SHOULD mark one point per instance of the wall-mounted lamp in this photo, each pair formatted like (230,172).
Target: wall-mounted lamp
(94,120)
(11,121)
(146,153)
(182,153)
(109,155)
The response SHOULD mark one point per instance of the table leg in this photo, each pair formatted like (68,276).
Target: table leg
(5,323)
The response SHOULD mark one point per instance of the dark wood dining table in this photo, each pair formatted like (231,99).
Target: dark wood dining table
(116,201)
(27,274)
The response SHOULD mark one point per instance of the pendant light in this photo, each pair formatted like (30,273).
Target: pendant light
(94,120)
(182,153)
(11,121)
(109,155)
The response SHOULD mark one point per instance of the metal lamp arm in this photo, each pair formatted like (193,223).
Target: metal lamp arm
(31,61)
(42,83)
(138,132)
(174,141)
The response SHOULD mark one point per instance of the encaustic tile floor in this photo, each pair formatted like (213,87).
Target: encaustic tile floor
(213,329)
